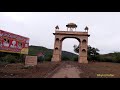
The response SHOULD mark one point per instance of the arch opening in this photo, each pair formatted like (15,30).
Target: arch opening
(57,39)
(70,38)
(82,39)
(84,42)
(67,49)
(83,52)
(56,48)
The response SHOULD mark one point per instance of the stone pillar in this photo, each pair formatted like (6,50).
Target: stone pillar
(60,50)
(83,52)
(79,52)
(57,49)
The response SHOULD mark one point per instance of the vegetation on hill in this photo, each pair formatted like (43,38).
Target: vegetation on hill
(93,55)
(10,57)
(34,50)
(110,57)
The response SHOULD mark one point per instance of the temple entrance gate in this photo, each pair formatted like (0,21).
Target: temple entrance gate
(82,37)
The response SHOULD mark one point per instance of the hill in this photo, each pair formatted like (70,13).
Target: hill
(110,57)
(34,50)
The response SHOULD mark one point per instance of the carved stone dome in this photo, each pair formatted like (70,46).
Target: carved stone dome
(71,25)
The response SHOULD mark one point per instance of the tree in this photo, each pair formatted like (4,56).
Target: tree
(93,53)
(76,49)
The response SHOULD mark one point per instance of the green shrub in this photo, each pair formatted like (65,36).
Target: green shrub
(9,58)
(93,58)
(18,57)
(48,57)
(64,58)
(76,58)
(116,59)
(105,59)
(3,63)
(110,58)
(40,59)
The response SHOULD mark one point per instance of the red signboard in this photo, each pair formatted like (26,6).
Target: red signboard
(10,42)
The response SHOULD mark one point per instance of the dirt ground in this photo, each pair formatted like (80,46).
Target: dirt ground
(67,70)
(20,71)
(61,70)
(100,70)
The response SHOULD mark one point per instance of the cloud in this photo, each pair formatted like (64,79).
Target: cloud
(39,27)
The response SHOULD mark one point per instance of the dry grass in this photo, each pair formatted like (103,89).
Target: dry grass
(19,71)
(90,70)
(100,70)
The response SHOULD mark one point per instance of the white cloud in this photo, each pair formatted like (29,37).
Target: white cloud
(38,26)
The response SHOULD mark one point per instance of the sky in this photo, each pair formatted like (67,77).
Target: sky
(104,28)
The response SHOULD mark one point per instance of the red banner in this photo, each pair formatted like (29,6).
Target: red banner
(10,42)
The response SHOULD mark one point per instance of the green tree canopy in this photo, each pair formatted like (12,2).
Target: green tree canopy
(93,53)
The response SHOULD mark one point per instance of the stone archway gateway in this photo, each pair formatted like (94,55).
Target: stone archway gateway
(71,32)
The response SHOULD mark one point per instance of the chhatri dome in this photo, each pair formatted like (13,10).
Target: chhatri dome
(71,26)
